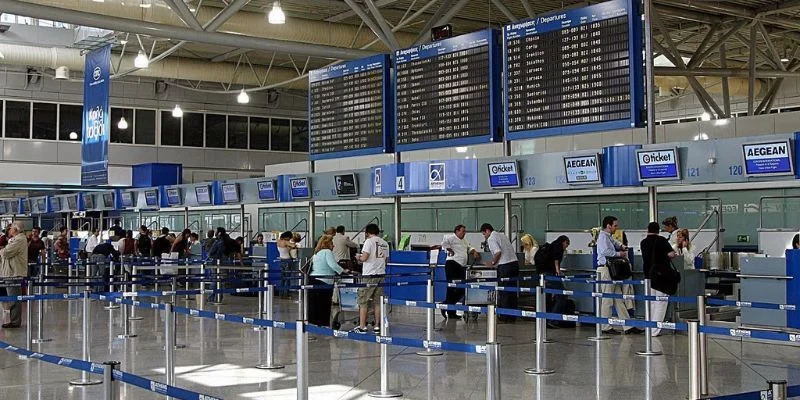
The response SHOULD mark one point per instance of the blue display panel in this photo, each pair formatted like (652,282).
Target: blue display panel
(503,175)
(55,204)
(654,165)
(174,196)
(447,93)
(574,71)
(127,199)
(72,203)
(582,169)
(266,191)
(300,188)
(230,192)
(348,108)
(426,177)
(108,200)
(88,201)
(151,197)
(203,195)
(768,158)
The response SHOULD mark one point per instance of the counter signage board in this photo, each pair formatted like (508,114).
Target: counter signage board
(266,191)
(174,196)
(574,71)
(348,109)
(96,117)
(151,198)
(377,181)
(55,204)
(582,169)
(203,194)
(768,159)
(300,189)
(447,93)
(127,199)
(230,193)
(658,165)
(504,175)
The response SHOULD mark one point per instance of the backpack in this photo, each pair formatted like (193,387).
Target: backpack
(542,257)
(231,246)
(145,244)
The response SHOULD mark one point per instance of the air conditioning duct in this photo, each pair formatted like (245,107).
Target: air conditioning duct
(62,73)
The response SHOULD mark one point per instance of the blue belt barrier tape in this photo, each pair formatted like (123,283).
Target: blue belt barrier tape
(589,280)
(750,333)
(42,297)
(438,306)
(757,395)
(397,341)
(753,304)
(637,297)
(79,365)
(594,320)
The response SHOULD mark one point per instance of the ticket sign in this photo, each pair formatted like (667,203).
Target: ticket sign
(768,159)
(266,191)
(658,165)
(582,169)
(503,175)
(300,188)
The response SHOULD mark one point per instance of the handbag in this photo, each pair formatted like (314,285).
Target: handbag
(665,278)
(619,268)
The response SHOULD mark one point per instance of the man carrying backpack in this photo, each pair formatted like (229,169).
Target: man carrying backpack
(548,262)
(144,244)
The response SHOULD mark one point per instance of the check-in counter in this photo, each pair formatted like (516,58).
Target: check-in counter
(770,280)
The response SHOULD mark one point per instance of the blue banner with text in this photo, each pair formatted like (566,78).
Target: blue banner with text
(96,117)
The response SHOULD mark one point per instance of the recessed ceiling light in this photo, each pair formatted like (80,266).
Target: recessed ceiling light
(705,116)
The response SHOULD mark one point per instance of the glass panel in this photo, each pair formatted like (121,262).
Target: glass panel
(192,130)
(259,133)
(418,219)
(300,136)
(145,127)
(491,215)
(280,134)
(363,217)
(297,221)
(18,119)
(273,221)
(237,132)
(338,217)
(170,129)
(448,218)
(118,134)
(44,121)
(215,131)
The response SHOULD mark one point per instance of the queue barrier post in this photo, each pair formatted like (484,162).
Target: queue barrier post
(111,305)
(28,320)
(262,297)
(269,357)
(126,323)
(301,349)
(648,338)
(541,325)
(492,356)
(385,392)
(169,347)
(429,321)
(778,390)
(694,361)
(134,288)
(110,389)
(39,313)
(598,305)
(216,298)
(85,380)
(542,308)
(701,319)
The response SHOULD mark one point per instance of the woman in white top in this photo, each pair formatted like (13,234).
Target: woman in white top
(92,241)
(529,247)
(684,249)
(285,247)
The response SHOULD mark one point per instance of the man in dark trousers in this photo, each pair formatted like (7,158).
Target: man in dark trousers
(656,253)
(504,258)
(550,262)
(458,250)
(100,256)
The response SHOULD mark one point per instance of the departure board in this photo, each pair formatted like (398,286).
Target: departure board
(348,109)
(574,71)
(447,92)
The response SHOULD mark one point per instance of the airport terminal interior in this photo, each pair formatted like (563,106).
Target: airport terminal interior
(417,199)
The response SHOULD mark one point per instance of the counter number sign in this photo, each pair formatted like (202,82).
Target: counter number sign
(400,184)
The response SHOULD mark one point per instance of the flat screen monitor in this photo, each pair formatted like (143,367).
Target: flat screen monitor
(266,191)
(88,200)
(581,170)
(55,204)
(174,196)
(3,209)
(503,175)
(230,193)
(151,198)
(301,188)
(768,158)
(26,206)
(41,205)
(127,199)
(654,165)
(72,203)
(108,200)
(203,194)
(346,185)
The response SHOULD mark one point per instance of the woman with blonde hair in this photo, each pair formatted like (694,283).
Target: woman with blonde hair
(685,250)
(323,264)
(529,247)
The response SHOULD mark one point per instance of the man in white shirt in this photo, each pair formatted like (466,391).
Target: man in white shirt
(342,245)
(504,258)
(373,256)
(608,247)
(92,241)
(458,250)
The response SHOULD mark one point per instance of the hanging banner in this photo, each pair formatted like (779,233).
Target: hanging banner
(96,117)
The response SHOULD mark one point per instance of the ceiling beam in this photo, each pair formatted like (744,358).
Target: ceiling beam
(180,8)
(227,56)
(786,6)
(503,9)
(381,21)
(350,13)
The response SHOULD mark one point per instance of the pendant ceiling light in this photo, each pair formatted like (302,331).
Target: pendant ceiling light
(276,15)
(177,112)
(141,60)
(243,97)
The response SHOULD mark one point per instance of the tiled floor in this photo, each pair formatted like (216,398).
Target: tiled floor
(219,359)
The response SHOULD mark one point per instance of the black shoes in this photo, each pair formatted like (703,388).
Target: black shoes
(611,331)
(634,331)
(446,315)
(10,326)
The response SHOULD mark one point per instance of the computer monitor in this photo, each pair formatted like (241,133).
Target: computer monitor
(108,200)
(658,164)
(203,195)
(174,196)
(230,193)
(72,203)
(88,200)
(346,185)
(151,198)
(127,199)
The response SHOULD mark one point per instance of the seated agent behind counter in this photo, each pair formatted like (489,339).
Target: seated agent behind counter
(374,255)
(608,247)
(504,258)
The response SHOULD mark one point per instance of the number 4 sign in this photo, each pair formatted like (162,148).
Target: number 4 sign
(400,183)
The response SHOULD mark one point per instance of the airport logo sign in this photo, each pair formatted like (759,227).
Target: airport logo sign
(377,182)
(436,180)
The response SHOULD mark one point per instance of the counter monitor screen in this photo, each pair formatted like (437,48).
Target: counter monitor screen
(582,169)
(504,175)
(127,199)
(3,209)
(55,204)
(108,200)
(230,193)
(88,200)
(658,164)
(41,205)
(151,198)
(174,196)
(203,194)
(301,189)
(72,203)
(266,191)
(346,185)
(768,158)
(26,206)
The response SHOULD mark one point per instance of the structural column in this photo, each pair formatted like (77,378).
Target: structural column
(396,209)
(652,200)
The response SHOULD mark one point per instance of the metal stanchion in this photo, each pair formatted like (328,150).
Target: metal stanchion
(429,321)
(126,323)
(648,334)
(202,303)
(541,325)
(134,288)
(85,380)
(28,321)
(110,390)
(598,305)
(70,289)
(542,308)
(169,346)
(186,284)
(216,298)
(174,289)
(694,361)
(301,352)
(701,319)
(778,390)
(39,313)
(262,298)
(268,361)
(385,392)
(111,305)
(492,356)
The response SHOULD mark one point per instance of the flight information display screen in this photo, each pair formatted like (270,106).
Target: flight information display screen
(348,108)
(574,71)
(447,92)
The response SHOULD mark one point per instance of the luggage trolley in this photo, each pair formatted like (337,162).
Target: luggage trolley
(348,304)
(479,297)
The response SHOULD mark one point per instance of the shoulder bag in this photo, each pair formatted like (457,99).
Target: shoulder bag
(619,268)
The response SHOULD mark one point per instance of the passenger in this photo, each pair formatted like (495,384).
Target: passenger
(92,241)
(551,265)
(62,245)
(529,247)
(181,243)
(259,240)
(458,250)
(684,249)
(209,242)
(127,245)
(144,244)
(117,231)
(341,248)
(99,259)
(285,247)
(608,247)
(36,252)
(296,239)
(323,264)
(194,250)
(656,253)
(374,254)
(4,237)
(330,231)
(161,245)
(670,226)
(504,258)
(796,242)
(13,264)
(239,252)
